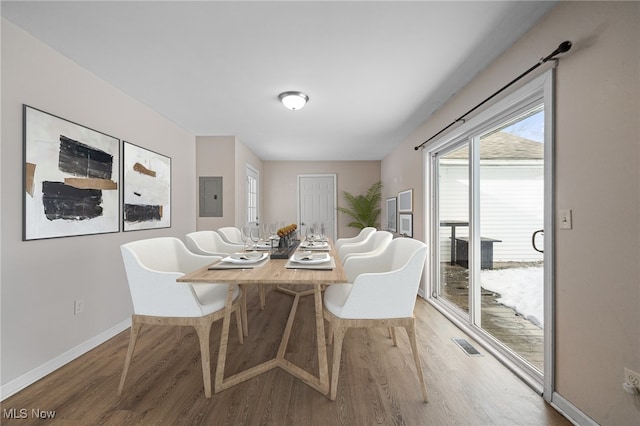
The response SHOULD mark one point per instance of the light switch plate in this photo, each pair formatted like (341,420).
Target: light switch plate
(565,219)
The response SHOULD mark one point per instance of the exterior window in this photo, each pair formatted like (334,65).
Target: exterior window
(252,196)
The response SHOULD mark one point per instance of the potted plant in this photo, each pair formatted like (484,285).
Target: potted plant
(363,209)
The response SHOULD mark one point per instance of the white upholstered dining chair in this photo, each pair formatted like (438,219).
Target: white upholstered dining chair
(381,292)
(210,243)
(362,236)
(152,267)
(231,234)
(372,246)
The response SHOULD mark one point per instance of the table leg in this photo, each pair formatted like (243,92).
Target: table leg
(322,348)
(319,383)
(224,340)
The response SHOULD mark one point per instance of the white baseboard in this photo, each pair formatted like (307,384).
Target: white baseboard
(570,411)
(50,366)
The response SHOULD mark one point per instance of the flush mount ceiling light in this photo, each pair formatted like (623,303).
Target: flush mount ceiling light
(293,100)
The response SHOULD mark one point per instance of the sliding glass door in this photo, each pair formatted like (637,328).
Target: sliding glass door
(453,219)
(511,207)
(489,209)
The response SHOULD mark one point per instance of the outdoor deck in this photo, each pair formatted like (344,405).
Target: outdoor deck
(500,321)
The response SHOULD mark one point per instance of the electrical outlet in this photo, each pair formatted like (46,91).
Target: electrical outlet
(632,377)
(631,383)
(78,306)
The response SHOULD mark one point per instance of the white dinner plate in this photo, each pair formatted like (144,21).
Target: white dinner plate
(317,238)
(245,258)
(314,244)
(265,245)
(310,258)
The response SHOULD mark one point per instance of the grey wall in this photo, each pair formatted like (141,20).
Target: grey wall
(41,279)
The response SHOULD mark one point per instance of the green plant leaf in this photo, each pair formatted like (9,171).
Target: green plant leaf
(363,209)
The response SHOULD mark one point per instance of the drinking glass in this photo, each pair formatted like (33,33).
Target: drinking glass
(254,235)
(245,234)
(273,230)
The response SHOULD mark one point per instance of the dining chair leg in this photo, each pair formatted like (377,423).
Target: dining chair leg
(392,334)
(411,331)
(203,328)
(338,337)
(135,330)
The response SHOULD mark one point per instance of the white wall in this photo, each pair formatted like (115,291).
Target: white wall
(41,279)
(280,187)
(597,175)
(215,156)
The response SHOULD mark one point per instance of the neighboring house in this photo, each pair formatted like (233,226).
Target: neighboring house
(511,195)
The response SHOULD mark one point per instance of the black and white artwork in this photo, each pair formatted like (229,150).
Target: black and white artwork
(147,189)
(406,224)
(71,176)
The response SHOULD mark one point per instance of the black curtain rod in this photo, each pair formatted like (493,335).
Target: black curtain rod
(562,48)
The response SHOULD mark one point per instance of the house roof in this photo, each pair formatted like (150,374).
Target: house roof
(504,146)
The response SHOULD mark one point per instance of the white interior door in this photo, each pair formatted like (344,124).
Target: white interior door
(317,202)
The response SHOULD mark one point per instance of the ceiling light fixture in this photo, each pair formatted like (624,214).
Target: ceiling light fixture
(293,100)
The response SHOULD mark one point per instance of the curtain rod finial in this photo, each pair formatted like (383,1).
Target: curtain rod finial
(564,46)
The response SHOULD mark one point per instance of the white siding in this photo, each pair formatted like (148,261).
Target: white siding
(511,207)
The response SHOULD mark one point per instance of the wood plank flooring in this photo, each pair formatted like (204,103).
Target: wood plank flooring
(502,322)
(377,386)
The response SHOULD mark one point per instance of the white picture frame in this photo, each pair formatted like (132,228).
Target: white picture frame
(146,189)
(71,178)
(405,201)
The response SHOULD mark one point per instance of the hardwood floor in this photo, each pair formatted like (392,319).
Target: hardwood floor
(378,383)
(502,322)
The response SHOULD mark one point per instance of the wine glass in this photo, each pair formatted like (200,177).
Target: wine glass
(322,231)
(245,234)
(254,236)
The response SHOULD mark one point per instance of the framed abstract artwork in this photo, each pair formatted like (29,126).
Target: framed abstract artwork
(146,189)
(70,178)
(405,201)
(406,224)
(391,214)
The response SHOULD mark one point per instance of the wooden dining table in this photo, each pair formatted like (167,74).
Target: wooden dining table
(274,272)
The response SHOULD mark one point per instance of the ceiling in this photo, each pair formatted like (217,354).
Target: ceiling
(374,71)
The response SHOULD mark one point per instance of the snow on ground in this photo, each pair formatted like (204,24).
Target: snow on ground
(520,289)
